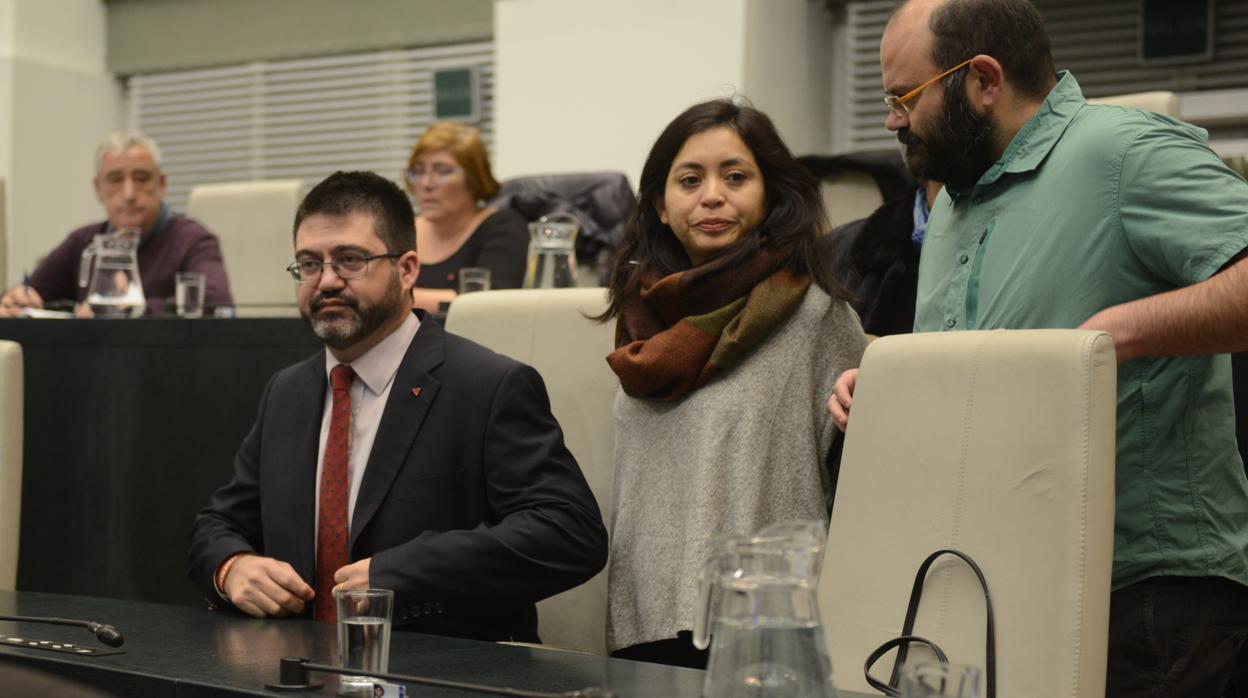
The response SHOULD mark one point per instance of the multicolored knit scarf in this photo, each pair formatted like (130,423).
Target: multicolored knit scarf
(685,327)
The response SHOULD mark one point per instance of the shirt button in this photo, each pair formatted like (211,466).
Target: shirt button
(963,259)
(950,322)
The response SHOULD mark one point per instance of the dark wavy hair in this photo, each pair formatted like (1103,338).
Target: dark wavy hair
(793,222)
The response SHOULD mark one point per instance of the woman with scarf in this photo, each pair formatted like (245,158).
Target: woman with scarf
(730,333)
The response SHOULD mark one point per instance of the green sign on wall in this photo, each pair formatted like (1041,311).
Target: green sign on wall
(456,94)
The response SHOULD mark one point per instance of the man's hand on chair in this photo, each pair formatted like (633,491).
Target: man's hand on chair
(842,396)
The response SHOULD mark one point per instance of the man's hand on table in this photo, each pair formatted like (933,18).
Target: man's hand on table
(18,297)
(262,587)
(352,576)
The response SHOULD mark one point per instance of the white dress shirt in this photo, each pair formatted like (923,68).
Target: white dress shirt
(374,376)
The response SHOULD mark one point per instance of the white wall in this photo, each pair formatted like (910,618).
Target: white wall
(56,103)
(589,84)
(787,64)
(8,10)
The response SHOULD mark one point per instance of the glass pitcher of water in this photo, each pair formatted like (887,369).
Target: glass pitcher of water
(110,273)
(552,252)
(760,591)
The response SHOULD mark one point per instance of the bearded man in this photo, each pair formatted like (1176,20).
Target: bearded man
(1057,213)
(401,457)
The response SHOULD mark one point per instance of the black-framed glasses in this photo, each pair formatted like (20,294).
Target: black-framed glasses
(349,265)
(901,105)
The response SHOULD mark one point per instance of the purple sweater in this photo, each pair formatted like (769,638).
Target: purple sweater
(180,244)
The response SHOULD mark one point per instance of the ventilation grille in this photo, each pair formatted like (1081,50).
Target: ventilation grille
(301,118)
(1097,41)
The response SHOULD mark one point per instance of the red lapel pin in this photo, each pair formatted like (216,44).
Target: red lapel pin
(415,392)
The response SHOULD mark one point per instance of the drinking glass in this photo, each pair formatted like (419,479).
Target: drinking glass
(189,293)
(931,679)
(474,279)
(363,635)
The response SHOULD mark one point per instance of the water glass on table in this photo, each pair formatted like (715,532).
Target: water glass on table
(363,635)
(474,279)
(933,679)
(189,293)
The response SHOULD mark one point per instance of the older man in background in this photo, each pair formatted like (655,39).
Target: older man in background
(131,186)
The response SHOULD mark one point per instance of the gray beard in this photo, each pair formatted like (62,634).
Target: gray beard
(345,330)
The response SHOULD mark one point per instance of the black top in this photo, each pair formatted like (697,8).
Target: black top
(500,243)
(876,260)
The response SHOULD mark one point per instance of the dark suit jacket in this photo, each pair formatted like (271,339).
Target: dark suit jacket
(471,507)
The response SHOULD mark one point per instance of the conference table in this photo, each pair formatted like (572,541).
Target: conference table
(129,427)
(193,652)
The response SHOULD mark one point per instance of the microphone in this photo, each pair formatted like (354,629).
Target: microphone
(293,676)
(104,633)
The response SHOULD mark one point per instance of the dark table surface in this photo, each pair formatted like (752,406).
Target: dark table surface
(181,651)
(129,426)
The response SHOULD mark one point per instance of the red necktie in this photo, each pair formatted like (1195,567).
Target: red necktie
(331,524)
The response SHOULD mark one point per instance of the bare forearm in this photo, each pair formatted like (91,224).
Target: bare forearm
(1210,317)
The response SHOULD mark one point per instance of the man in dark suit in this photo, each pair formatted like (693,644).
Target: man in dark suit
(402,457)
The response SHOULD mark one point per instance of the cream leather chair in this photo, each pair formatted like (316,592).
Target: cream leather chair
(1160,102)
(548,330)
(849,197)
(11,425)
(254,221)
(999,444)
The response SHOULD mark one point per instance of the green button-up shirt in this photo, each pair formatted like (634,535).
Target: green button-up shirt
(1089,207)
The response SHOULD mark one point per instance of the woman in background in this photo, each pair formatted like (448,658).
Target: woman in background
(730,332)
(449,177)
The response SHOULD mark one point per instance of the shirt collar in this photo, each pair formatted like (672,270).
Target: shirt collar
(377,367)
(1031,145)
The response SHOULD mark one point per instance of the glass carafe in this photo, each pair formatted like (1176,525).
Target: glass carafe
(758,599)
(110,273)
(552,252)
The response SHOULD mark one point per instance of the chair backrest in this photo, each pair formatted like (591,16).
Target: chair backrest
(253,221)
(1161,102)
(599,201)
(854,184)
(999,444)
(548,330)
(851,196)
(11,425)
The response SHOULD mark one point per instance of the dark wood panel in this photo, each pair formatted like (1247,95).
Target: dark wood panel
(129,426)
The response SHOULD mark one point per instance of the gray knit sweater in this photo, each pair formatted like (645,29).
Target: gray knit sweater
(744,451)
